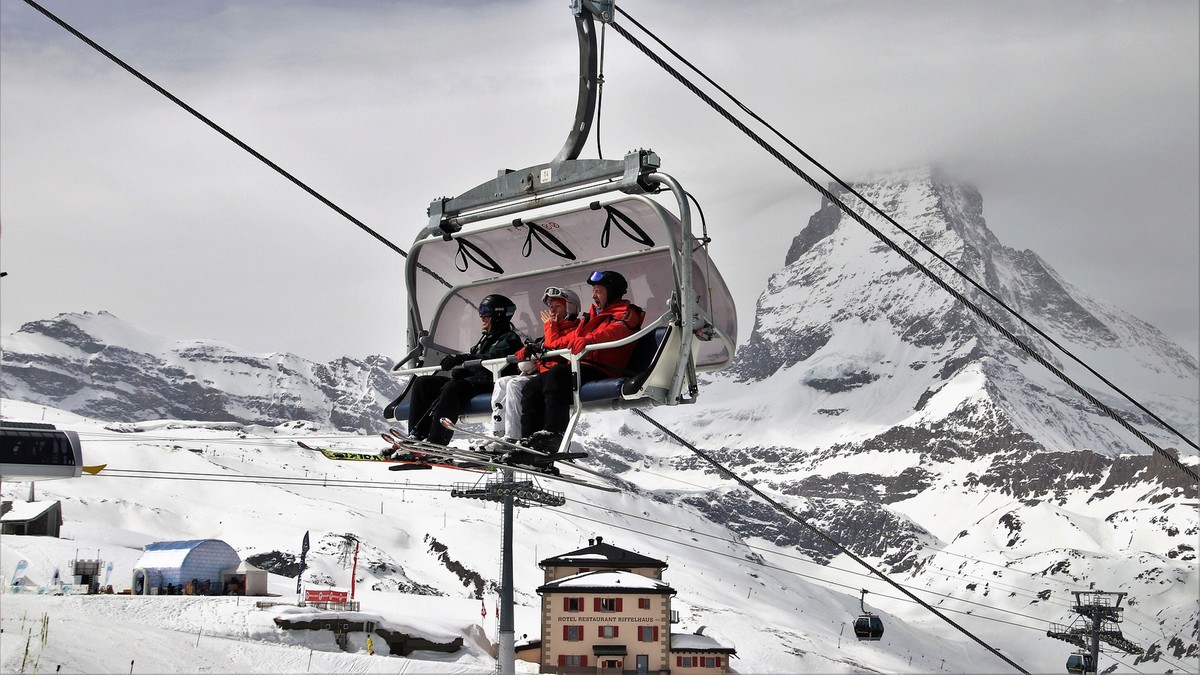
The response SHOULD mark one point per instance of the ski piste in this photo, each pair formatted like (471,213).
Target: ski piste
(413,461)
(564,457)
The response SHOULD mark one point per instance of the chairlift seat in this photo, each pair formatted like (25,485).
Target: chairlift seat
(597,394)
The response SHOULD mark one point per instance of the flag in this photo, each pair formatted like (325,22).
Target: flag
(303,554)
(21,565)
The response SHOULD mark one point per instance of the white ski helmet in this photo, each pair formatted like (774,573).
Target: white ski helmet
(567,294)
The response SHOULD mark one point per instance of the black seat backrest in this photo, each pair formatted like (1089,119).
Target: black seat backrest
(645,355)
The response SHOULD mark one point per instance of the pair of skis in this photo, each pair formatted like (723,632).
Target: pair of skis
(412,454)
(407,461)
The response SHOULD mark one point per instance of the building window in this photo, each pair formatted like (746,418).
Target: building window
(572,604)
(608,604)
(647,633)
(685,661)
(710,661)
(643,603)
(608,631)
(572,633)
(610,663)
(572,660)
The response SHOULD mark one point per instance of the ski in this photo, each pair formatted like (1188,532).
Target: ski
(404,462)
(529,470)
(540,459)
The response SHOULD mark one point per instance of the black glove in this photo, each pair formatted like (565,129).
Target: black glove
(451,360)
(460,373)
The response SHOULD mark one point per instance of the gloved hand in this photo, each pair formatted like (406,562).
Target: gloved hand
(460,373)
(577,344)
(451,360)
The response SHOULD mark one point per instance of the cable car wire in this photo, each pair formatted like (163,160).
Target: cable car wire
(957,295)
(766,146)
(216,127)
(825,193)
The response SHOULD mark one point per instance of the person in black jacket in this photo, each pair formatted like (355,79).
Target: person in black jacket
(436,396)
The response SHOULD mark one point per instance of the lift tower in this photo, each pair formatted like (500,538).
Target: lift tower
(1099,613)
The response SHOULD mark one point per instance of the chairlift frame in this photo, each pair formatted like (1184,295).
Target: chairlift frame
(566,188)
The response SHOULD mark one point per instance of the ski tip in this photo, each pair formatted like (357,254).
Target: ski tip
(305,445)
(94,469)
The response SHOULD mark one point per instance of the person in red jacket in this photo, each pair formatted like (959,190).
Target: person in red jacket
(546,399)
(559,320)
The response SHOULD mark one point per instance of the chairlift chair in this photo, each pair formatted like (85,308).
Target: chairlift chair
(555,224)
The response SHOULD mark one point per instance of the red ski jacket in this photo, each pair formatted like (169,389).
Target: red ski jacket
(617,320)
(555,335)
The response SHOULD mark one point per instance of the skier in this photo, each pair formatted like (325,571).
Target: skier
(559,321)
(436,396)
(546,399)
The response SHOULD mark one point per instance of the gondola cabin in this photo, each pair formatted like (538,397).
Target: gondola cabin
(554,225)
(36,450)
(868,627)
(1081,664)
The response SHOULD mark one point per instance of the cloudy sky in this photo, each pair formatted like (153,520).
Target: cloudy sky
(1078,122)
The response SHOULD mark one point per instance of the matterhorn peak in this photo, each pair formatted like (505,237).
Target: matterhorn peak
(859,333)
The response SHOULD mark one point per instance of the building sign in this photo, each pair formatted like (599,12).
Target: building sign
(607,618)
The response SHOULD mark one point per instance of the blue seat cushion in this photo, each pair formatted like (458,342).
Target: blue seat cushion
(607,389)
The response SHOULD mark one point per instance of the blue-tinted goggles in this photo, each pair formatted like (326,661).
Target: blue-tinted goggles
(485,311)
(596,277)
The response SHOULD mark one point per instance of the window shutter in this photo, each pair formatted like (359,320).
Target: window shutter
(679,661)
(566,604)
(562,659)
(566,633)
(655,634)
(619,604)
(616,631)
(718,662)
(583,661)
(597,604)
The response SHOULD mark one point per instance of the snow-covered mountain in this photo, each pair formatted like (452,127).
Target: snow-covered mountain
(866,400)
(100,366)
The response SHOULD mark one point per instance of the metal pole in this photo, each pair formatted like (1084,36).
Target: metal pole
(507,659)
(1096,618)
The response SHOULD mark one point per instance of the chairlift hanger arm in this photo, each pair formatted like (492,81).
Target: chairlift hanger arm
(542,185)
(585,107)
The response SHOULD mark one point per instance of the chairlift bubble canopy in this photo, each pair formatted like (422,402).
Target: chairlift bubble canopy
(553,225)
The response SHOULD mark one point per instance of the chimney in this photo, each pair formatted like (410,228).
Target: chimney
(591,542)
(599,540)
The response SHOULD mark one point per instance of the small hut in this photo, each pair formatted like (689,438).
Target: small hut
(31,518)
(245,579)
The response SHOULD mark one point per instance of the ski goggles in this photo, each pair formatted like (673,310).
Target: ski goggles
(553,292)
(485,312)
(596,277)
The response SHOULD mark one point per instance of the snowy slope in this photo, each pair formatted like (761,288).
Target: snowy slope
(256,490)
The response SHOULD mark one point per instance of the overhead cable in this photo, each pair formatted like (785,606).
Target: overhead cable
(978,311)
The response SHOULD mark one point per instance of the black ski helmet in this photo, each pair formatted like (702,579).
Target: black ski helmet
(613,281)
(497,307)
